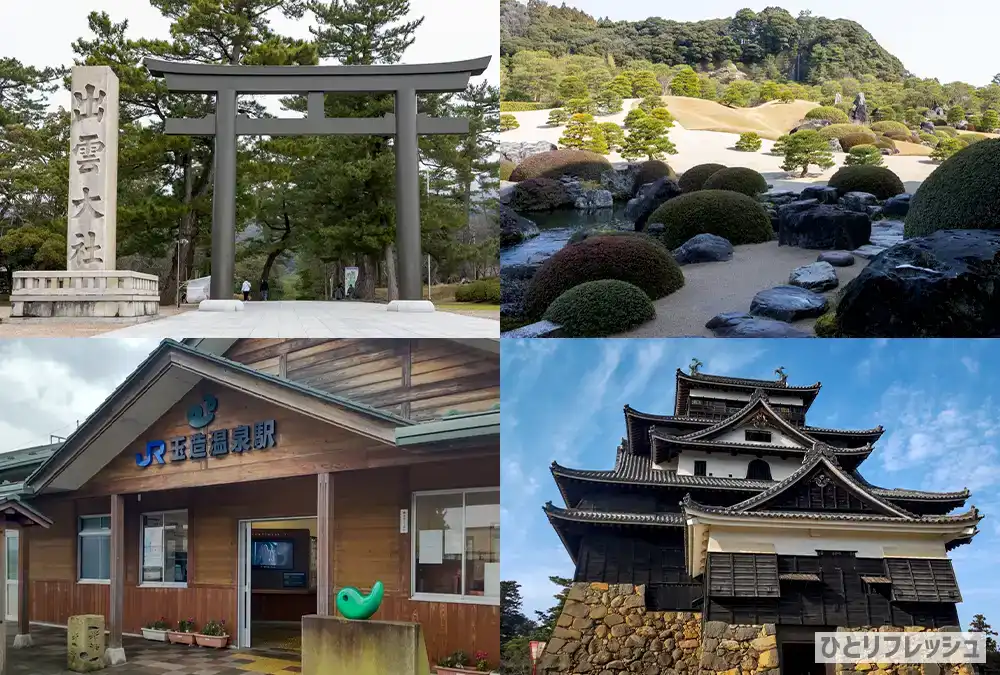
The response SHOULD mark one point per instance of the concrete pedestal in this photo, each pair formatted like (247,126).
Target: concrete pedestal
(334,645)
(114,657)
(220,306)
(22,641)
(410,306)
(113,295)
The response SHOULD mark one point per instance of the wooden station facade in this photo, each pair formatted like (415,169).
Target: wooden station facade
(375,441)
(735,507)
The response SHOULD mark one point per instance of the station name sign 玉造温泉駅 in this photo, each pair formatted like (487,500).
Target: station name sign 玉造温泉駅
(216,443)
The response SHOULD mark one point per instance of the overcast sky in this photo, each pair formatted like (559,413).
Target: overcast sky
(929,39)
(47,385)
(40,32)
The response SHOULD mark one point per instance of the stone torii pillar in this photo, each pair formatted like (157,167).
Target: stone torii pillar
(405,82)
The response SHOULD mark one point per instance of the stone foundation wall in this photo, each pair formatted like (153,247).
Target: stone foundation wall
(605,630)
(902,668)
(741,649)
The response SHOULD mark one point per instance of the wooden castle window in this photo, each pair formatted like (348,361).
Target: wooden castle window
(758,469)
(743,575)
(757,436)
(700,467)
(923,580)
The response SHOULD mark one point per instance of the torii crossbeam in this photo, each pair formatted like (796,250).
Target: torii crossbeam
(404,81)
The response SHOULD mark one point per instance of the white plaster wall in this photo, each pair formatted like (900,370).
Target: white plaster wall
(738,435)
(727,466)
(777,399)
(788,541)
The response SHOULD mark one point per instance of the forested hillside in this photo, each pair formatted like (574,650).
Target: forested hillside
(771,44)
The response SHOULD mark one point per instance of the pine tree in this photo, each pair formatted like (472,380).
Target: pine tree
(802,149)
(647,138)
(685,83)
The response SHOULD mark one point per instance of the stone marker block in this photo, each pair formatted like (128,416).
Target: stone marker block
(85,643)
(334,645)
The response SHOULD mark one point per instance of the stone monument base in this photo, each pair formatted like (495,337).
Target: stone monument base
(331,644)
(220,306)
(410,306)
(23,640)
(114,656)
(114,295)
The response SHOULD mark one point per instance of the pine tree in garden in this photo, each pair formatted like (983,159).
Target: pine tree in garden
(803,149)
(685,83)
(647,138)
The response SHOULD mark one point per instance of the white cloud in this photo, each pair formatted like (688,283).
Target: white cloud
(970,364)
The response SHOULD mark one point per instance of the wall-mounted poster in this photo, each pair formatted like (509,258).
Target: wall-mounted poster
(431,547)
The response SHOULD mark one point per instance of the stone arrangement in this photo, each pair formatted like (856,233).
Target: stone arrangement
(91,286)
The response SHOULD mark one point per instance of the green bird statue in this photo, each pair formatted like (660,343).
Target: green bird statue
(353,605)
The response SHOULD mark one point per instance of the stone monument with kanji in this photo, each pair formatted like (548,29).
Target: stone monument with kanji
(90,286)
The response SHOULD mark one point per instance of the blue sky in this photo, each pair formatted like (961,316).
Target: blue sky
(563,400)
(928,39)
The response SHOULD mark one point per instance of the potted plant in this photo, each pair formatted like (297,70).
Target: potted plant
(450,665)
(482,661)
(184,635)
(156,630)
(213,634)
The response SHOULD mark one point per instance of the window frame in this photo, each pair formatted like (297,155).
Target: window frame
(79,548)
(444,597)
(700,464)
(762,432)
(161,584)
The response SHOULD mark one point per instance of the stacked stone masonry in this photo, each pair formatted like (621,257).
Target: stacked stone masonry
(605,629)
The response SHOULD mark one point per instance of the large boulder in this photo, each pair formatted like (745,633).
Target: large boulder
(621,181)
(897,207)
(594,200)
(787,303)
(810,125)
(858,201)
(703,248)
(837,258)
(541,194)
(822,193)
(514,228)
(817,276)
(514,281)
(650,197)
(886,233)
(824,227)
(944,285)
(743,325)
(515,152)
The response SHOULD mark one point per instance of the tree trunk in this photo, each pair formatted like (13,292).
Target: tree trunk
(390,273)
(169,293)
(366,278)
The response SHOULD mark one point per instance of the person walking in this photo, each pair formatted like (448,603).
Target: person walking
(246,290)
(264,288)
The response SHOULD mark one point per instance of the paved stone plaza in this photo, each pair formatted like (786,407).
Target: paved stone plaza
(314,319)
(48,657)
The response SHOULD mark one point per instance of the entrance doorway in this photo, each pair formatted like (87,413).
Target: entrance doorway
(11,541)
(277,582)
(797,651)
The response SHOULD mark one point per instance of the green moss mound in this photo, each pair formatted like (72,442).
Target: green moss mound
(555,163)
(506,168)
(481,290)
(694,178)
(848,141)
(601,308)
(653,170)
(735,216)
(829,113)
(826,326)
(929,139)
(883,142)
(635,259)
(876,180)
(962,193)
(889,125)
(838,131)
(738,179)
(951,132)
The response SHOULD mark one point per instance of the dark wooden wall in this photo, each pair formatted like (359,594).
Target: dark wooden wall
(418,379)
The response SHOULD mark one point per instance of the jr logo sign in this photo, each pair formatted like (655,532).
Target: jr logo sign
(217,442)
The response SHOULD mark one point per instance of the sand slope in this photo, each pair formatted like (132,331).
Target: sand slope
(769,120)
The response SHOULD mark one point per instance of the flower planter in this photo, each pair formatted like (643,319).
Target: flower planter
(177,638)
(154,634)
(212,641)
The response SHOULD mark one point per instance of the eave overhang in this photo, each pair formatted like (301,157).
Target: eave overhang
(16,512)
(558,517)
(808,392)
(451,432)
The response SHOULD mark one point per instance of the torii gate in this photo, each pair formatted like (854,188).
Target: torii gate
(405,81)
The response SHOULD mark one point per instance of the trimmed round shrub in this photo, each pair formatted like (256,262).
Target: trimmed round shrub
(508,122)
(653,170)
(888,143)
(738,179)
(876,180)
(867,155)
(506,168)
(634,259)
(929,139)
(889,125)
(694,178)
(838,131)
(950,131)
(481,290)
(906,137)
(732,215)
(962,193)
(601,308)
(848,141)
(565,161)
(581,235)
(749,142)
(829,113)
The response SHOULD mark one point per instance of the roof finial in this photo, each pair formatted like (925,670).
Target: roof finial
(780,372)
(695,365)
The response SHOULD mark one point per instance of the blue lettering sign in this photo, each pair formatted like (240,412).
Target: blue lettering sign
(154,452)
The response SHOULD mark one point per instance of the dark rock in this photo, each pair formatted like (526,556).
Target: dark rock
(962,125)
(541,194)
(858,201)
(805,125)
(897,207)
(787,303)
(650,197)
(823,227)
(837,258)
(927,126)
(775,220)
(703,248)
(620,182)
(886,233)
(786,210)
(517,151)
(514,228)
(593,200)
(514,281)
(859,111)
(822,193)
(817,276)
(835,145)
(873,211)
(743,325)
(506,190)
(944,285)
(868,251)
